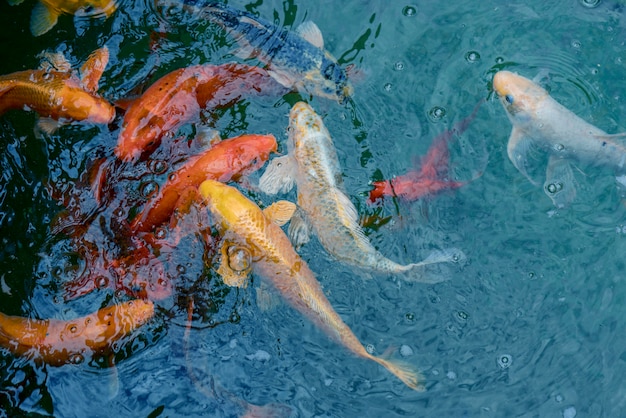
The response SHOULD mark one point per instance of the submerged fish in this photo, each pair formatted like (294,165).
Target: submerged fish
(432,176)
(46,12)
(59,96)
(244,225)
(59,342)
(178,98)
(221,162)
(540,122)
(296,59)
(312,165)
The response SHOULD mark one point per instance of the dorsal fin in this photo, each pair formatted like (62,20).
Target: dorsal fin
(310,32)
(91,71)
(280,212)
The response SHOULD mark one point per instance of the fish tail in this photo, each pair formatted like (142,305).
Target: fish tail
(403,371)
(415,272)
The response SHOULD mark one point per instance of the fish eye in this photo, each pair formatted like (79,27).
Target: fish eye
(509,99)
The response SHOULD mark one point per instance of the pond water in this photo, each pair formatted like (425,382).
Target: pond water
(530,325)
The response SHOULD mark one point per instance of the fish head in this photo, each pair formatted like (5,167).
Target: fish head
(78,104)
(225,202)
(304,125)
(329,81)
(248,152)
(97,8)
(519,95)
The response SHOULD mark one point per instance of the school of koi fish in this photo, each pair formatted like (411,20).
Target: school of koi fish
(241,238)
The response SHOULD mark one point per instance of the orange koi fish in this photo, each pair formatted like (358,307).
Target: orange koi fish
(179,97)
(431,178)
(244,225)
(59,342)
(59,96)
(223,161)
(46,12)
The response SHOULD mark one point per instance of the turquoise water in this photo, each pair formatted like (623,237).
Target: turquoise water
(531,325)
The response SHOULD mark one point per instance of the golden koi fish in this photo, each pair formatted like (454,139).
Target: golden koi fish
(58,95)
(244,225)
(313,166)
(541,122)
(46,12)
(58,342)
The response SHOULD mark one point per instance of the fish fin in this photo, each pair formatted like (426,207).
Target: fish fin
(311,33)
(230,253)
(47,126)
(42,19)
(518,148)
(207,137)
(279,176)
(403,371)
(416,273)
(15,2)
(299,229)
(284,78)
(54,61)
(280,212)
(266,297)
(91,71)
(560,185)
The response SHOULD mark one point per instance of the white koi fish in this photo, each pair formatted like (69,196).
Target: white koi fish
(541,122)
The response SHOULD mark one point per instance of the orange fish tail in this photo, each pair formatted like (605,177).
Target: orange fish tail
(403,371)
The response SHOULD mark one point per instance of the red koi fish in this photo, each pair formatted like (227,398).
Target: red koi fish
(431,178)
(179,97)
(59,342)
(223,161)
(59,95)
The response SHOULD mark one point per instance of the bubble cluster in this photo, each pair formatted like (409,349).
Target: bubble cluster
(554,188)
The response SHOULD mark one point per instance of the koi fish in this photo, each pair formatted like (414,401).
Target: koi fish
(540,122)
(59,342)
(59,96)
(178,98)
(243,225)
(312,165)
(46,12)
(296,59)
(431,178)
(228,158)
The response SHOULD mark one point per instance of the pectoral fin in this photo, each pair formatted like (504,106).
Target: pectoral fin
(235,264)
(310,32)
(280,212)
(92,69)
(279,176)
(284,78)
(299,229)
(43,19)
(560,185)
(47,126)
(518,149)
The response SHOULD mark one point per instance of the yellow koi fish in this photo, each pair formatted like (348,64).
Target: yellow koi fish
(312,165)
(46,12)
(58,342)
(540,122)
(243,225)
(58,94)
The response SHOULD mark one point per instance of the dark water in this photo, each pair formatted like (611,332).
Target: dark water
(532,324)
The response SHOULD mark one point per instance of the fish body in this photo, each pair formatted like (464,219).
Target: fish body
(296,59)
(59,95)
(179,96)
(432,176)
(228,158)
(46,12)
(273,258)
(59,342)
(312,165)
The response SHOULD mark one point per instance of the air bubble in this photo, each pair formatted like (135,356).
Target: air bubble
(590,4)
(472,56)
(102,282)
(462,315)
(370,348)
(157,166)
(576,44)
(409,11)
(409,316)
(504,361)
(553,188)
(387,87)
(405,350)
(398,66)
(148,189)
(76,358)
(181,269)
(436,113)
(234,318)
